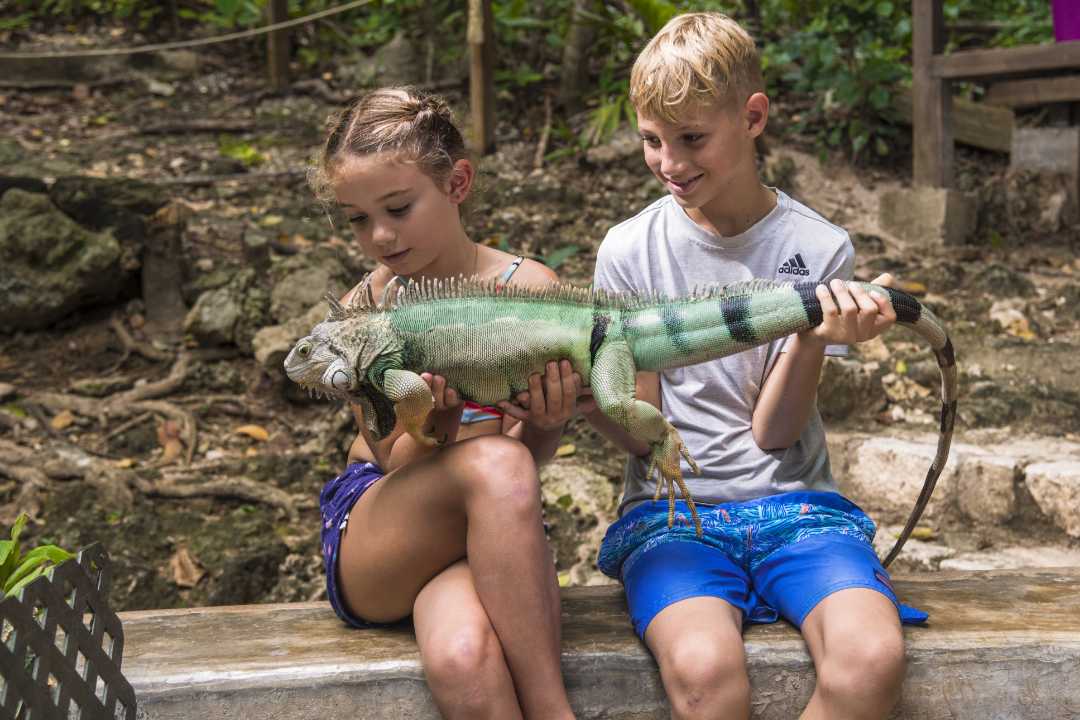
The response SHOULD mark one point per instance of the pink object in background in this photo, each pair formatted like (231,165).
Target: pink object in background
(1066,19)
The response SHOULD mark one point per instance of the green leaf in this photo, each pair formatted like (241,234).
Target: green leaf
(24,569)
(17,528)
(559,256)
(25,581)
(53,553)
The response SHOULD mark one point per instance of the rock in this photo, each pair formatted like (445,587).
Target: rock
(886,474)
(1000,281)
(6,391)
(304,279)
(52,266)
(849,387)
(986,488)
(916,555)
(212,321)
(398,62)
(99,203)
(624,146)
(929,215)
(1013,558)
(230,315)
(271,344)
(1055,486)
(579,504)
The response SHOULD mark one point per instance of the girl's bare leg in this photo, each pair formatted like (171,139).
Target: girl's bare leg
(463,660)
(478,498)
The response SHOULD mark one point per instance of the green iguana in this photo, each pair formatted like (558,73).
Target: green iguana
(487,340)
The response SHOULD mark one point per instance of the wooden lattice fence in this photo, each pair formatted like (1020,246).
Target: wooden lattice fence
(61,646)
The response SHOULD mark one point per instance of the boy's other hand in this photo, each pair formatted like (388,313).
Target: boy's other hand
(552,398)
(854,316)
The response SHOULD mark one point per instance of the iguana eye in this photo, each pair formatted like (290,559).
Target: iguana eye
(304,350)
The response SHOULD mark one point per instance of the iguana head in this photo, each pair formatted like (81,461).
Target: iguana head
(335,357)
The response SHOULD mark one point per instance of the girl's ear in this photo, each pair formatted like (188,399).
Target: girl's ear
(461,179)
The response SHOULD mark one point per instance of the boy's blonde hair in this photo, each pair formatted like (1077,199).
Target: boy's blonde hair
(695,59)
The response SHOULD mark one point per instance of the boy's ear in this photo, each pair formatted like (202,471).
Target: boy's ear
(756,113)
(461,179)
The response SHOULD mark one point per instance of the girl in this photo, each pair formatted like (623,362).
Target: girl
(452,535)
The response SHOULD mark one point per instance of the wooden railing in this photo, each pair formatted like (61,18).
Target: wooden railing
(933,72)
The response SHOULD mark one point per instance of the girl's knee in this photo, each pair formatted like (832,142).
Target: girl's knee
(462,656)
(498,469)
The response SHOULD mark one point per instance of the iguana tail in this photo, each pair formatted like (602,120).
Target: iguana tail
(665,333)
(912,313)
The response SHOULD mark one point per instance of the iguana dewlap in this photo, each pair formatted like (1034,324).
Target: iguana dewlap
(487,340)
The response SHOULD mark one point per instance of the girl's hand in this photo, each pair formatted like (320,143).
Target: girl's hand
(552,398)
(444,420)
(855,316)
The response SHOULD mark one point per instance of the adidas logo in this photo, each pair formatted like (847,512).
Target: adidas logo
(794,266)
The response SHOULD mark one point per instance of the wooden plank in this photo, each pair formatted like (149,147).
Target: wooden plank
(277,45)
(931,119)
(1037,91)
(1006,61)
(481,38)
(976,124)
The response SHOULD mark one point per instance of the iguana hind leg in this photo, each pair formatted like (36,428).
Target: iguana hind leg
(412,402)
(612,382)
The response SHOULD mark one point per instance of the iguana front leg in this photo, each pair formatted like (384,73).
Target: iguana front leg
(412,402)
(612,382)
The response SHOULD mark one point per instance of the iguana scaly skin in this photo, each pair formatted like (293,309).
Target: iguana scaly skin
(487,340)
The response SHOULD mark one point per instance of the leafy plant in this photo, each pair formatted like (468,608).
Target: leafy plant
(240,150)
(19,569)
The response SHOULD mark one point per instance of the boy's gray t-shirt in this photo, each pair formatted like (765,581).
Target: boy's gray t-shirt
(711,404)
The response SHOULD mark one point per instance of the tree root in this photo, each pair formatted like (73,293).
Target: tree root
(235,488)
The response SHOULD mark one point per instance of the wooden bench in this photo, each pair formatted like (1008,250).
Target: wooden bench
(1001,644)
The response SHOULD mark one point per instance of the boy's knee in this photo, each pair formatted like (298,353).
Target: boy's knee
(701,676)
(876,665)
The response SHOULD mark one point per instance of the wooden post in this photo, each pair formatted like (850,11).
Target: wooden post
(932,140)
(482,75)
(277,45)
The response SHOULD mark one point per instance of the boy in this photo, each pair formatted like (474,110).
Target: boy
(778,538)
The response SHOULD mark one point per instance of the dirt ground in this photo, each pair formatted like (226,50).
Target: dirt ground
(236,544)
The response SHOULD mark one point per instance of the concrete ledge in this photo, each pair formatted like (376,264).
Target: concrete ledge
(1000,644)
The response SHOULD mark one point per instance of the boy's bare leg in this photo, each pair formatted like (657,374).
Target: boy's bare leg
(857,643)
(480,498)
(698,644)
(463,660)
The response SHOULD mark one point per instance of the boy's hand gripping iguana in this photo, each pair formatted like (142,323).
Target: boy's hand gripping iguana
(487,340)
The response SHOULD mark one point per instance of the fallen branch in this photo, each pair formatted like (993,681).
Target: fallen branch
(189,126)
(233,177)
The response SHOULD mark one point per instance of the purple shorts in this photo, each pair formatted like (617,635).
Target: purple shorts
(335,502)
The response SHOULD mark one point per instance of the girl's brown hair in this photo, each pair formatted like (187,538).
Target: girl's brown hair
(416,126)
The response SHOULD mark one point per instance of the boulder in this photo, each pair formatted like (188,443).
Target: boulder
(1055,486)
(52,265)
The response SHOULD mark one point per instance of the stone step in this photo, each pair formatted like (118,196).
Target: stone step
(999,644)
(982,483)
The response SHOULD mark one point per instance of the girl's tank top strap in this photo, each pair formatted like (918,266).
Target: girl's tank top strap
(511,269)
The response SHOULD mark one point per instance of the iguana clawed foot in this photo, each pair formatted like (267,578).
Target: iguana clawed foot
(665,460)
